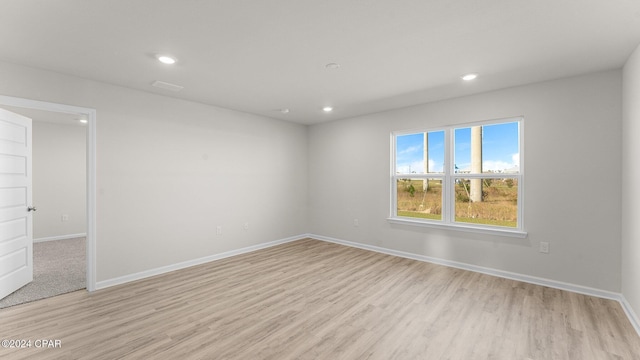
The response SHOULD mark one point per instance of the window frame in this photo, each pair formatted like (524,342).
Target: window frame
(449,176)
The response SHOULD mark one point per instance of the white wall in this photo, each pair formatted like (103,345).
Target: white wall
(59,179)
(572,195)
(630,185)
(169,171)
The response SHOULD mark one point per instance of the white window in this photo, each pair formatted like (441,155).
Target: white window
(467,176)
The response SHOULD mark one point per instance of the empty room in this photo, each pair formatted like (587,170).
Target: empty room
(324,179)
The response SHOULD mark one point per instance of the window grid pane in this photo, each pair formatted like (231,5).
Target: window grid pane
(420,153)
(498,205)
(419,198)
(480,188)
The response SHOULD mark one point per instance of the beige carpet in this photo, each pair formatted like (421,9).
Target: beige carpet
(58,267)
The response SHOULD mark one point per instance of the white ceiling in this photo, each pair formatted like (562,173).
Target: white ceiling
(259,56)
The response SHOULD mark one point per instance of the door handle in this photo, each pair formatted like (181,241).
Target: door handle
(31,208)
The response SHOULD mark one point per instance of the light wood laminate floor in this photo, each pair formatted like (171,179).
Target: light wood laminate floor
(310,299)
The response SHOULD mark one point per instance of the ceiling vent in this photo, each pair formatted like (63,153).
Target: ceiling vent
(167,86)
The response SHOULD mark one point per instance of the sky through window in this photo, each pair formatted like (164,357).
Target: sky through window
(499,150)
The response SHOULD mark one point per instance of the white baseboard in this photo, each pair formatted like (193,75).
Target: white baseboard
(59,237)
(633,317)
(479,269)
(165,269)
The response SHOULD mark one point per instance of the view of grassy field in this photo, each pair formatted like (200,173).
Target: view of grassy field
(499,205)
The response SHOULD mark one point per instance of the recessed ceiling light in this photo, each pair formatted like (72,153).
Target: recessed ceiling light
(284,111)
(327,109)
(469,77)
(332,66)
(83,121)
(166,59)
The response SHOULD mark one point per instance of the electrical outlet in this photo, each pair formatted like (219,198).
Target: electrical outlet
(544,247)
(246,226)
(356,223)
(219,230)
(65,217)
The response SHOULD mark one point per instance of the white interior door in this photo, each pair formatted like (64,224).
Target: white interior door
(16,233)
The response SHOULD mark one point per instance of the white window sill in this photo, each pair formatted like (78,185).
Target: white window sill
(459,227)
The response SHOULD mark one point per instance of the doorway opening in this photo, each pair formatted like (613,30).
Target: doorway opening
(58,173)
(76,113)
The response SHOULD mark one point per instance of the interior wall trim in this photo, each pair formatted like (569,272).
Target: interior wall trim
(59,237)
(631,315)
(185,264)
